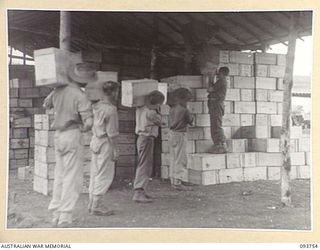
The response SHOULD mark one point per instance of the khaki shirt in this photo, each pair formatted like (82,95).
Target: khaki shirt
(105,119)
(148,122)
(179,118)
(71,106)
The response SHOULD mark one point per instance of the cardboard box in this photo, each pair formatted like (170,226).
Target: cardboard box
(231,120)
(44,170)
(195,133)
(224,56)
(233,160)
(25,122)
(281,59)
(51,66)
(245,107)
(275,96)
(203,177)
(298,158)
(203,146)
(134,91)
(201,94)
(266,83)
(251,132)
(230,175)
(237,145)
(44,138)
(248,159)
(42,185)
(246,70)
(279,83)
(202,120)
(246,120)
(20,153)
(190,81)
(205,162)
(262,120)
(44,154)
(266,108)
(18,133)
(244,82)
(233,95)
(264,145)
(275,132)
(265,58)
(277,71)
(304,172)
(19,143)
(261,70)
(261,95)
(241,57)
(304,144)
(276,120)
(269,159)
(254,174)
(247,95)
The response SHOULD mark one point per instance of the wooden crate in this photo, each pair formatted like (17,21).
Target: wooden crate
(134,91)
(51,65)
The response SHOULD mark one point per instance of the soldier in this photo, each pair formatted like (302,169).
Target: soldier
(217,94)
(72,114)
(148,121)
(179,119)
(104,148)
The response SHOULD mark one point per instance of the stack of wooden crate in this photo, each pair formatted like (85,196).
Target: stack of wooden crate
(25,100)
(252,122)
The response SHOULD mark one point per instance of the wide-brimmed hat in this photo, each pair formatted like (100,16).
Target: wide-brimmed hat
(181,95)
(82,72)
(154,98)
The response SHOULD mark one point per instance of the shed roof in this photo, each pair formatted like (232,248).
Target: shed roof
(35,29)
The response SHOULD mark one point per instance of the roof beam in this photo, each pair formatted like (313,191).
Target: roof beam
(257,25)
(270,19)
(191,18)
(229,32)
(245,28)
(168,38)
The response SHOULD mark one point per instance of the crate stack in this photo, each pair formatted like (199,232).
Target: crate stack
(25,100)
(252,122)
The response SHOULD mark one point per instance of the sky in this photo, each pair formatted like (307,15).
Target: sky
(303,56)
(302,65)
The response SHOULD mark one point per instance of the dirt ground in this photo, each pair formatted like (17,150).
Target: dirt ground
(251,205)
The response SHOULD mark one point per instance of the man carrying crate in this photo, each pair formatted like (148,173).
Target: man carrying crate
(72,114)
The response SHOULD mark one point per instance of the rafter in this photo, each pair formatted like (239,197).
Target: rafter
(191,18)
(257,25)
(229,32)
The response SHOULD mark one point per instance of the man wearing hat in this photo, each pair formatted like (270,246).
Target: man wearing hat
(148,121)
(72,114)
(179,119)
(104,147)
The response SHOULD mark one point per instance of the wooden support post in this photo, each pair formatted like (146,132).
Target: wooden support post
(286,117)
(65,30)
(153,60)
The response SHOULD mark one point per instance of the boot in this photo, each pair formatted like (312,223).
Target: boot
(97,207)
(220,148)
(140,197)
